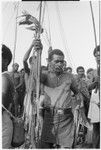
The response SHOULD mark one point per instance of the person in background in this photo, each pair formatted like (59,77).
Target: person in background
(90,73)
(21,90)
(94,109)
(83,110)
(65,65)
(80,72)
(69,69)
(89,77)
(82,80)
(15,75)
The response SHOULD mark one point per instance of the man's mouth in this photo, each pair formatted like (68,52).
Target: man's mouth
(59,69)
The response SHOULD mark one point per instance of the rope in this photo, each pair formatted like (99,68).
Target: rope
(99,22)
(93,23)
(38,74)
(15,40)
(43,14)
(9,112)
(49,38)
(8,24)
(62,33)
(49,42)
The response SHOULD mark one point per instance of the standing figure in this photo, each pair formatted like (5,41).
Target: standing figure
(7,98)
(16,79)
(94,109)
(69,69)
(21,90)
(82,110)
(56,105)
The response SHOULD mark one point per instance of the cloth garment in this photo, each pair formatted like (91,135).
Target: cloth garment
(58,128)
(94,110)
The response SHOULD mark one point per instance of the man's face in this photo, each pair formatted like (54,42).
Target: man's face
(22,72)
(81,73)
(90,75)
(69,71)
(97,57)
(15,67)
(57,63)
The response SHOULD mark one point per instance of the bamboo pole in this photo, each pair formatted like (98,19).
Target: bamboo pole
(35,118)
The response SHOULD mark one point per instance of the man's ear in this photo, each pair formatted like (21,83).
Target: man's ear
(48,60)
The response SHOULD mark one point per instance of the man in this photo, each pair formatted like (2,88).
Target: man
(81,72)
(16,79)
(89,78)
(69,69)
(83,109)
(82,82)
(21,89)
(94,110)
(55,107)
(7,98)
(15,75)
(90,73)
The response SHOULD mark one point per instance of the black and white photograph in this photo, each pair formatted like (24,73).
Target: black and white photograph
(50,75)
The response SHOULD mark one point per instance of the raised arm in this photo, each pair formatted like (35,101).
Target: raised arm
(26,56)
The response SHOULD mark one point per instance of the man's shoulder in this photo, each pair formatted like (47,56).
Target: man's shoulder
(6,76)
(68,75)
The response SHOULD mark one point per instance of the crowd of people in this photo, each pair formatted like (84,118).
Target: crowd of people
(69,105)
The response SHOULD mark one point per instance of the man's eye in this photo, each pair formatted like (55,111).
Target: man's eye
(59,61)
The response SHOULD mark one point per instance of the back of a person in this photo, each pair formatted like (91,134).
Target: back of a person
(11,88)
(7,125)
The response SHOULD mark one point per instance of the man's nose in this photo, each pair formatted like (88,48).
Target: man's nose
(60,63)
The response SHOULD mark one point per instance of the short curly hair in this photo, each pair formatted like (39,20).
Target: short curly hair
(6,53)
(89,70)
(56,52)
(69,68)
(80,67)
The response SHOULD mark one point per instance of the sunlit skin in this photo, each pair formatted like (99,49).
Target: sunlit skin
(90,75)
(57,63)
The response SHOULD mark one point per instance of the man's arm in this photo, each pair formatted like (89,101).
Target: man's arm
(26,56)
